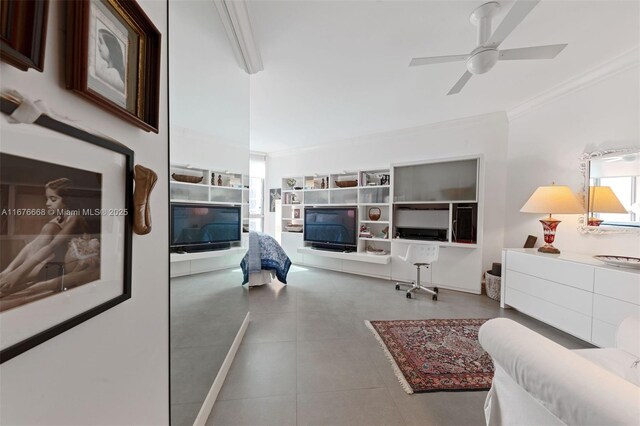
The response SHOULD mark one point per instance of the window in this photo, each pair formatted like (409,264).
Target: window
(256,192)
(627,189)
(256,203)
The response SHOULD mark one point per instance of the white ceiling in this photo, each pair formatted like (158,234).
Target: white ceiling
(339,69)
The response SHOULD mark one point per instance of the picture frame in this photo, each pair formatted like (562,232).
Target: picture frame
(274,195)
(113,58)
(23,33)
(71,213)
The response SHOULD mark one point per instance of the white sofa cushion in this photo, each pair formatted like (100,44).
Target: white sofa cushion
(628,335)
(617,361)
(573,389)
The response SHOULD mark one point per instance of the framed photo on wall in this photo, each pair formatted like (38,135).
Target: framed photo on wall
(274,195)
(113,58)
(65,229)
(23,33)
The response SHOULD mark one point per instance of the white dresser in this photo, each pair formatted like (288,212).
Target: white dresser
(572,292)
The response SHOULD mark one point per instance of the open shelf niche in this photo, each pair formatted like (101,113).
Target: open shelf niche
(444,210)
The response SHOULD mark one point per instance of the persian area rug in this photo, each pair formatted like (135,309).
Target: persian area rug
(436,355)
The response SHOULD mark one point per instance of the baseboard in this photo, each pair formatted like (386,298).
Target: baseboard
(207,405)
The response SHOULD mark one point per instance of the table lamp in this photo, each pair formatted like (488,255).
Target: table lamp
(552,199)
(602,199)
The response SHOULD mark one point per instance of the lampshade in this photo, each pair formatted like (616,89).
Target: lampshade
(553,199)
(602,199)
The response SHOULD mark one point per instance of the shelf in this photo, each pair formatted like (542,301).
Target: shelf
(440,243)
(358,257)
(204,185)
(331,205)
(375,221)
(435,202)
(373,204)
(211,203)
(373,186)
(181,257)
(177,182)
(375,239)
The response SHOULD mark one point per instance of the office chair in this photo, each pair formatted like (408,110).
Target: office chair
(420,255)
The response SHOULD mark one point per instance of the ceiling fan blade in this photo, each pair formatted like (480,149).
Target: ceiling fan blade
(516,14)
(535,52)
(460,84)
(437,60)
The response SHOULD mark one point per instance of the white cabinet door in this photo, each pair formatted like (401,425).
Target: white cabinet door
(458,268)
(291,242)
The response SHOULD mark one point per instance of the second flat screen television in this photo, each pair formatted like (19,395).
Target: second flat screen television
(331,228)
(204,227)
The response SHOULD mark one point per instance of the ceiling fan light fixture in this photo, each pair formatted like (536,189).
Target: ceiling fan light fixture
(482,61)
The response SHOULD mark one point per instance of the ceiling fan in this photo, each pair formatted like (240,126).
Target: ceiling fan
(484,57)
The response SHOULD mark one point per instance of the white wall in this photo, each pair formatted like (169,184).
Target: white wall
(486,134)
(209,91)
(113,368)
(544,146)
(204,151)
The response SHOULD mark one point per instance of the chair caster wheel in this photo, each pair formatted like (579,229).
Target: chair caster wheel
(434,297)
(408,295)
(436,289)
(397,287)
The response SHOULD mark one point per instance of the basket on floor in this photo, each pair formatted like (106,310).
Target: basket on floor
(492,285)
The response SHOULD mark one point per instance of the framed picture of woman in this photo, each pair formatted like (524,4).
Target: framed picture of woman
(113,58)
(65,229)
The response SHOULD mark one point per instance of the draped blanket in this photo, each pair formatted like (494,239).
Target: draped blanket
(265,253)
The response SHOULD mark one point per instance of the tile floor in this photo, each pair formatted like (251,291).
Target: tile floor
(207,311)
(308,359)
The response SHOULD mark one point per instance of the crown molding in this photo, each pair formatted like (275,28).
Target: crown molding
(606,70)
(235,19)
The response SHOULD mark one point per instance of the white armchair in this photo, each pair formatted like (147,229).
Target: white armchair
(538,382)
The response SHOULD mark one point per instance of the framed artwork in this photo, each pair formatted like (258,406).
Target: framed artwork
(113,58)
(23,33)
(274,194)
(65,229)
(296,213)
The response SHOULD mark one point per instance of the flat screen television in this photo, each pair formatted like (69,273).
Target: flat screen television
(331,228)
(204,227)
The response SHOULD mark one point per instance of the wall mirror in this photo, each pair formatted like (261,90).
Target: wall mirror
(611,191)
(209,156)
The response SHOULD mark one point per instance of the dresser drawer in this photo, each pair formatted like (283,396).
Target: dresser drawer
(568,297)
(569,273)
(562,318)
(621,285)
(612,311)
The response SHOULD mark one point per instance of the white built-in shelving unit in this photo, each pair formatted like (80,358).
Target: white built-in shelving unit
(362,189)
(216,187)
(438,199)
